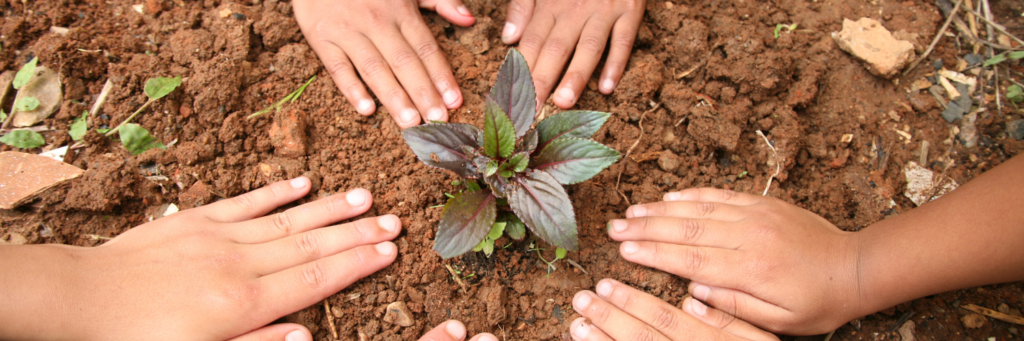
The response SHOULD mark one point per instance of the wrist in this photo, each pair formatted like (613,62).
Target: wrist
(37,288)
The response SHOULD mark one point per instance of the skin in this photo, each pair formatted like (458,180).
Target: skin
(789,271)
(215,272)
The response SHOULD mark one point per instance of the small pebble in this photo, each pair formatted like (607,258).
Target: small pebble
(1015,129)
(17,239)
(937,64)
(398,313)
(238,16)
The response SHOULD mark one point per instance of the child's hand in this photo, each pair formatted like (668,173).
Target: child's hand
(760,259)
(453,331)
(387,43)
(620,312)
(548,31)
(208,273)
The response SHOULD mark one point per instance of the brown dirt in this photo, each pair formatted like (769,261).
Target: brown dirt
(800,89)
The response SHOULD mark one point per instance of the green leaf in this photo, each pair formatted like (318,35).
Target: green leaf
(515,93)
(1015,93)
(514,227)
(573,160)
(560,253)
(25,74)
(472,185)
(492,167)
(26,104)
(3,115)
(519,161)
(1016,54)
(488,247)
(23,138)
(79,126)
(506,174)
(499,135)
(480,246)
(102,130)
(545,208)
(157,88)
(440,145)
(778,28)
(467,220)
(137,140)
(496,230)
(575,123)
(999,58)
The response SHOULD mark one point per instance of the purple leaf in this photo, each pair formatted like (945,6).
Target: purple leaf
(441,145)
(515,93)
(499,135)
(573,160)
(544,207)
(575,123)
(497,184)
(467,220)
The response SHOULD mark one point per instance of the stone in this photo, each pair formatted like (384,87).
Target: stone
(17,239)
(399,314)
(907,331)
(45,87)
(23,176)
(1015,129)
(288,133)
(870,42)
(921,184)
(973,321)
(668,161)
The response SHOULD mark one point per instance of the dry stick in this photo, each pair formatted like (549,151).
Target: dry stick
(996,26)
(972,23)
(457,278)
(330,319)
(102,98)
(994,314)
(630,150)
(945,26)
(778,163)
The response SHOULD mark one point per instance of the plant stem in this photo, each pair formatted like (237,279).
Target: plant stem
(129,119)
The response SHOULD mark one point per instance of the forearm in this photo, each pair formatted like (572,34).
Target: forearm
(34,282)
(969,237)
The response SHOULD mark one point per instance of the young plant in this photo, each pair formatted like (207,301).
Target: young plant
(290,98)
(523,169)
(999,58)
(22,138)
(134,137)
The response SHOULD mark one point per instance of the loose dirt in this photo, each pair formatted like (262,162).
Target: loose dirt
(714,67)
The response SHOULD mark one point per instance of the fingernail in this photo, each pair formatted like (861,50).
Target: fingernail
(385,248)
(604,288)
(639,211)
(456,330)
(567,94)
(487,338)
(618,225)
(407,115)
(435,114)
(295,335)
(698,307)
(581,302)
(463,10)
(581,331)
(388,223)
(629,248)
(673,196)
(607,85)
(701,292)
(508,31)
(364,106)
(299,182)
(450,97)
(355,198)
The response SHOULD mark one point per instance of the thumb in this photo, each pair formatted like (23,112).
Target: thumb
(278,332)
(518,15)
(452,10)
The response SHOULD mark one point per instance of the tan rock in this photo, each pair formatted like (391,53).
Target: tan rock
(973,321)
(23,176)
(668,161)
(45,87)
(288,133)
(870,42)
(399,314)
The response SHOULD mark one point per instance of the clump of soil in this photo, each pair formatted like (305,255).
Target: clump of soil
(703,78)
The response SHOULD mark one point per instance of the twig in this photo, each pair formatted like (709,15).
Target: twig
(330,319)
(938,35)
(996,26)
(829,336)
(972,22)
(102,98)
(457,278)
(35,129)
(778,163)
(630,150)
(994,314)
(577,265)
(999,102)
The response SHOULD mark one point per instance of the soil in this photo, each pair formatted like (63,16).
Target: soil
(239,57)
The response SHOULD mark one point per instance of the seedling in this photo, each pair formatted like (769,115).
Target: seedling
(290,98)
(779,27)
(22,138)
(999,58)
(1015,93)
(134,137)
(523,169)
(560,253)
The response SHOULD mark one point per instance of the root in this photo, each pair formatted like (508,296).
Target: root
(778,163)
(630,150)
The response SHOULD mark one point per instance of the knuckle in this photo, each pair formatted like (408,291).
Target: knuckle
(428,50)
(338,67)
(705,209)
(664,319)
(283,223)
(644,333)
(729,195)
(395,95)
(374,67)
(556,47)
(246,201)
(310,244)
(692,230)
(599,313)
(591,44)
(696,259)
(575,77)
(516,9)
(531,42)
(403,59)
(623,41)
(314,275)
(424,92)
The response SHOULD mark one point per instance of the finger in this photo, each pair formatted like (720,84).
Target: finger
(581,330)
(448,331)
(407,65)
(303,218)
(623,36)
(712,265)
(306,247)
(343,73)
(725,322)
(304,285)
(519,13)
(724,196)
(650,310)
(687,209)
(588,53)
(739,304)
(438,70)
(554,54)
(376,71)
(534,35)
(682,231)
(277,332)
(452,10)
(256,203)
(615,323)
